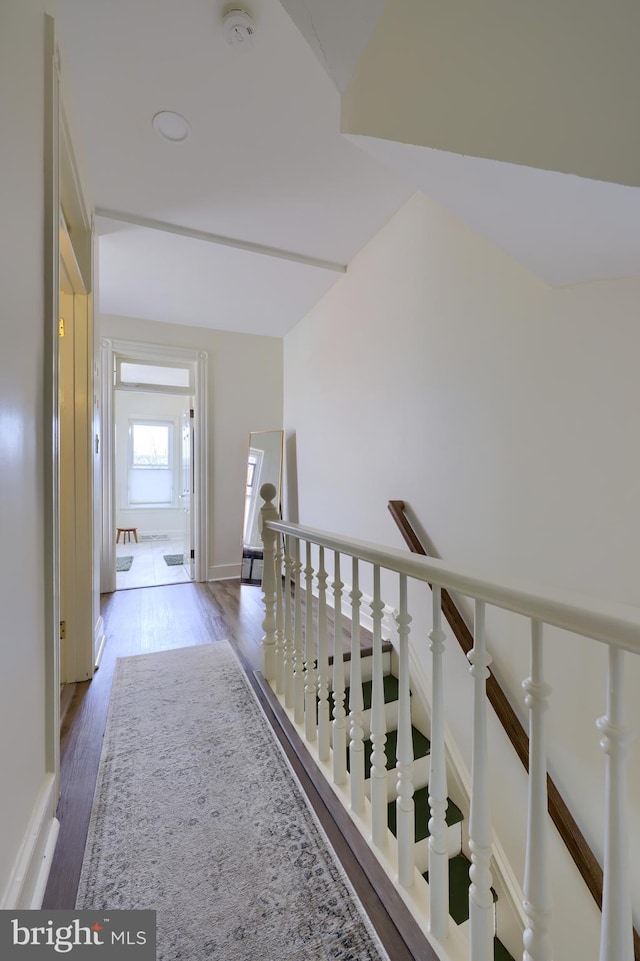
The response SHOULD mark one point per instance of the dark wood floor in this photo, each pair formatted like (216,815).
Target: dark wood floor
(150,619)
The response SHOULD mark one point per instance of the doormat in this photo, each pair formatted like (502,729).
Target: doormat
(124,563)
(173,560)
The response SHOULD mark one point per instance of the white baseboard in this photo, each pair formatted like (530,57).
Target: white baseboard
(30,872)
(224,572)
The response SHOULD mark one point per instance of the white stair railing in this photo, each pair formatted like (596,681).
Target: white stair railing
(379,832)
(279,645)
(405,808)
(537,896)
(438,848)
(356,705)
(287,647)
(310,674)
(339,712)
(298,643)
(480,894)
(324,715)
(289,662)
(616,938)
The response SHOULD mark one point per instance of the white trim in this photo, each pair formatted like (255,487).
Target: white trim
(30,872)
(224,572)
(110,348)
(210,238)
(99,641)
(51,279)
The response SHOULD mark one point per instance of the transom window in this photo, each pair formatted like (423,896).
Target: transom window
(147,375)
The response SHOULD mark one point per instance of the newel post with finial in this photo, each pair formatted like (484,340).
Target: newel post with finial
(269,512)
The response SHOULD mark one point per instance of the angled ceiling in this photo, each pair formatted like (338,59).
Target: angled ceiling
(249,221)
(518,118)
(264,166)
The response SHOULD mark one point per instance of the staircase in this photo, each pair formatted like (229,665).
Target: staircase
(456,908)
(459,863)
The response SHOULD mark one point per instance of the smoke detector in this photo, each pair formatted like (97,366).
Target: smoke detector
(238,28)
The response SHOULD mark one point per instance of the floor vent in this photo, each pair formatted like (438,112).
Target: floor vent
(153,537)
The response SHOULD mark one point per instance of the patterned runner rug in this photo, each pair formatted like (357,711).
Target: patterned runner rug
(198,815)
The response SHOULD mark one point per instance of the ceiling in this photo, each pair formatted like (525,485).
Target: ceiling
(250,220)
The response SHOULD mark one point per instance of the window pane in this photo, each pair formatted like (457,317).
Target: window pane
(150,445)
(251,469)
(154,375)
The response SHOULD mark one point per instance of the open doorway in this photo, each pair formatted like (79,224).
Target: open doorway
(153,488)
(155,484)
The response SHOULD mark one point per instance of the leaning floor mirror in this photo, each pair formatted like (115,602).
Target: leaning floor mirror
(264,466)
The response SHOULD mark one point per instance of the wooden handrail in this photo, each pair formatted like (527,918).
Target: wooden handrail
(574,839)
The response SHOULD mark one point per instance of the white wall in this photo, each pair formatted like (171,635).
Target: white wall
(22,658)
(143,405)
(440,372)
(245,394)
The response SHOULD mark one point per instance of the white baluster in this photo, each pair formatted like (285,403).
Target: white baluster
(379,829)
(279,618)
(309,654)
(298,650)
(356,703)
(438,849)
(405,806)
(287,652)
(481,918)
(339,713)
(324,723)
(268,512)
(537,895)
(616,939)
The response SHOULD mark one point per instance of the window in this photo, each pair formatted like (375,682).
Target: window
(142,375)
(151,445)
(151,464)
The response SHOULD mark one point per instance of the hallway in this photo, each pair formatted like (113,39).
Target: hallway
(137,621)
(140,621)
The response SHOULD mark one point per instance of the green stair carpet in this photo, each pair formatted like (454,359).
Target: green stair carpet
(458,865)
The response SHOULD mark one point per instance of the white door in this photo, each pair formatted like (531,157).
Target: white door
(186,495)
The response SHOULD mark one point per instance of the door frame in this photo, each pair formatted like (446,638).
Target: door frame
(75,427)
(110,350)
(188,418)
(68,239)
(52,401)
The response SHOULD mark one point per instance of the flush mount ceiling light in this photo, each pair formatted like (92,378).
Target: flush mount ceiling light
(171,126)
(238,28)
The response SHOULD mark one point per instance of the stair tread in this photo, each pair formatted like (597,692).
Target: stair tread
(390,687)
(459,890)
(421,746)
(421,802)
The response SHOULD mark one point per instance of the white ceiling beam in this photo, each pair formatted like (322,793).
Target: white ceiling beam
(210,238)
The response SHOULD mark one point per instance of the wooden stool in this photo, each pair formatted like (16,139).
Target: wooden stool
(126,533)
